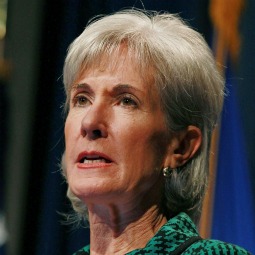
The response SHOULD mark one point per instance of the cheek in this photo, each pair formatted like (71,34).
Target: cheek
(159,142)
(67,129)
(71,135)
(145,144)
(67,136)
(70,140)
(71,127)
(150,132)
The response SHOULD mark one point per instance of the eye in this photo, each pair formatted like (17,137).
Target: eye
(128,101)
(80,100)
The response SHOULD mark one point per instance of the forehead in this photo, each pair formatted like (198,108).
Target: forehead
(121,63)
(121,56)
(120,72)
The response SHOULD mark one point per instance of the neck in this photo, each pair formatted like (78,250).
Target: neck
(118,229)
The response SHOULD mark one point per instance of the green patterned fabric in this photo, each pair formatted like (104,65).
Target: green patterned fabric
(173,236)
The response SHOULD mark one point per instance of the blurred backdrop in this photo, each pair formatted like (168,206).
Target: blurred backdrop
(34,37)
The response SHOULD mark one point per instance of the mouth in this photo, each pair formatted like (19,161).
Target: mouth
(93,158)
(88,160)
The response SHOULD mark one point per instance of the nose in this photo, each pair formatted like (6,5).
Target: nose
(94,123)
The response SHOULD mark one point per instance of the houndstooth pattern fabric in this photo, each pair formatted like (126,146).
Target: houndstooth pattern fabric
(176,233)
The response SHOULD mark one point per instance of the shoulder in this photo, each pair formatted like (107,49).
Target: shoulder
(83,251)
(215,247)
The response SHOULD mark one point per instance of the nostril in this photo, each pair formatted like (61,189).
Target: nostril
(97,133)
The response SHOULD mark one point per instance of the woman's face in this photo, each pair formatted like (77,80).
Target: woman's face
(115,132)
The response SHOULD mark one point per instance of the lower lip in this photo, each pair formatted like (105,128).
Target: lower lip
(93,165)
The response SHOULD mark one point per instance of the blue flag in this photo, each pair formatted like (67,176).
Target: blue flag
(233,215)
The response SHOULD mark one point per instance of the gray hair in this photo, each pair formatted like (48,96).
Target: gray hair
(186,75)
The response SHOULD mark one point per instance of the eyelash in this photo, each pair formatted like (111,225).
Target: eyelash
(77,100)
(81,100)
(130,101)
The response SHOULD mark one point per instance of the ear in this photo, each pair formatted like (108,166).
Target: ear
(183,146)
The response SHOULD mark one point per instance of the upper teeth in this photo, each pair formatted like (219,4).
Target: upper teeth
(87,161)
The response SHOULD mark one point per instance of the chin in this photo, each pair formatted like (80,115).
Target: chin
(92,190)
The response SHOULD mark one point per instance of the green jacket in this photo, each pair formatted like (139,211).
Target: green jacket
(179,236)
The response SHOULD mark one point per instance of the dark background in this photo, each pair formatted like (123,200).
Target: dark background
(32,119)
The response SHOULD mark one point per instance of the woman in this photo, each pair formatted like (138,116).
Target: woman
(143,96)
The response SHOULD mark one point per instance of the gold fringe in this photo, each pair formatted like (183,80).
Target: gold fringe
(225,16)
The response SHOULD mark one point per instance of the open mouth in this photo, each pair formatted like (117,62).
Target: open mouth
(95,159)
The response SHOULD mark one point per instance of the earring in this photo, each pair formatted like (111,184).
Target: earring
(167,172)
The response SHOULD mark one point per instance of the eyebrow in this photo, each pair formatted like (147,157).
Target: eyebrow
(124,87)
(116,89)
(80,86)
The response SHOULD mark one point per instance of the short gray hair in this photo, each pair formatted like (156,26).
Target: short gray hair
(185,73)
